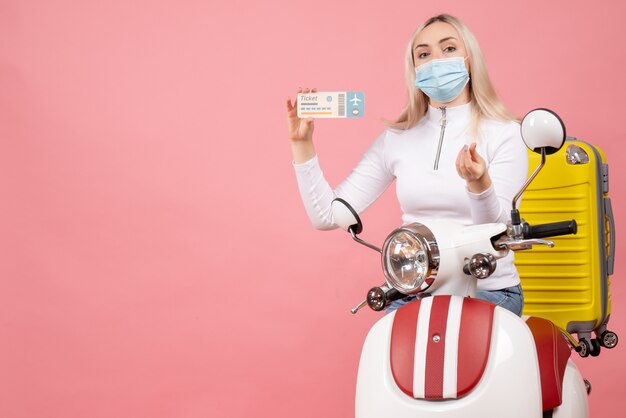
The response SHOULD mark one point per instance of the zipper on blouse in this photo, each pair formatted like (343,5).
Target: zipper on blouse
(442,122)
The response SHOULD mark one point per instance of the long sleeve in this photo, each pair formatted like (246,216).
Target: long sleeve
(507,161)
(367,181)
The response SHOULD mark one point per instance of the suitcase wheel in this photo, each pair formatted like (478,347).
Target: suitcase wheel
(588,347)
(583,347)
(608,339)
(595,347)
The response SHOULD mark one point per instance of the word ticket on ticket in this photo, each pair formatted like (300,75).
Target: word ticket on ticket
(338,104)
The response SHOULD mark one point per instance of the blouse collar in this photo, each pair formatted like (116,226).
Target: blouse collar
(454,115)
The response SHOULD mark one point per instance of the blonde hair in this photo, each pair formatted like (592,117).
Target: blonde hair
(485,101)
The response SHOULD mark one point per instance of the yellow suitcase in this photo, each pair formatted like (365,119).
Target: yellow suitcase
(570,283)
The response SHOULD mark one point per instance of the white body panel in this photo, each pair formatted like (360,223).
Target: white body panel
(509,387)
(575,403)
(455,243)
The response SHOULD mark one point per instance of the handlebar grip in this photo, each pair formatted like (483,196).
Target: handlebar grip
(553,229)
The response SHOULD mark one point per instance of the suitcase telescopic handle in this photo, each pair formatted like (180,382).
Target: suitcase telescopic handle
(552,229)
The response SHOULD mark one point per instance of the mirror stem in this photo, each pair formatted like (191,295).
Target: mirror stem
(360,241)
(530,179)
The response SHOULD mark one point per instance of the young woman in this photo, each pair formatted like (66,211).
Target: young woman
(455,151)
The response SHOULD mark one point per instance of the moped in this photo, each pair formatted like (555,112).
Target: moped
(448,354)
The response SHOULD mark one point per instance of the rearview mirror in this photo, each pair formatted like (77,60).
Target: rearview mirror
(346,217)
(543,129)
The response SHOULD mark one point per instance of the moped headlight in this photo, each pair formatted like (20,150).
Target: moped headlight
(410,258)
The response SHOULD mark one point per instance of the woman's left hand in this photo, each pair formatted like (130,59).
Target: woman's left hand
(473,169)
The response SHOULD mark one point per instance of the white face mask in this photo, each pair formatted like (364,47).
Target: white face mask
(442,79)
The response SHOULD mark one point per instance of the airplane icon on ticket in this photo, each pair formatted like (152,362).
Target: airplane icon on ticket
(355,100)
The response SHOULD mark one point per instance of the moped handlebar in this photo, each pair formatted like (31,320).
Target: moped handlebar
(378,298)
(552,229)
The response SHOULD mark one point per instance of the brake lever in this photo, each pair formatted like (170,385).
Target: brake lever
(359,306)
(523,244)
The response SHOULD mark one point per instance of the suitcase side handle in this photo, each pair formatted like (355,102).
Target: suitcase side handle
(608,210)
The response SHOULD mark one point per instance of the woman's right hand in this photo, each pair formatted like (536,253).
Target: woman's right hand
(299,129)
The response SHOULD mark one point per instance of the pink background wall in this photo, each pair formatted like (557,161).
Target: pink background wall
(156,260)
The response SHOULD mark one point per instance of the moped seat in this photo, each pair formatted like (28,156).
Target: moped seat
(553,351)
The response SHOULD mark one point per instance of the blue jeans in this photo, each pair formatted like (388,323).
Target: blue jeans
(510,298)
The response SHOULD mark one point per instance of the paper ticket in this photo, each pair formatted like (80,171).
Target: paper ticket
(338,104)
